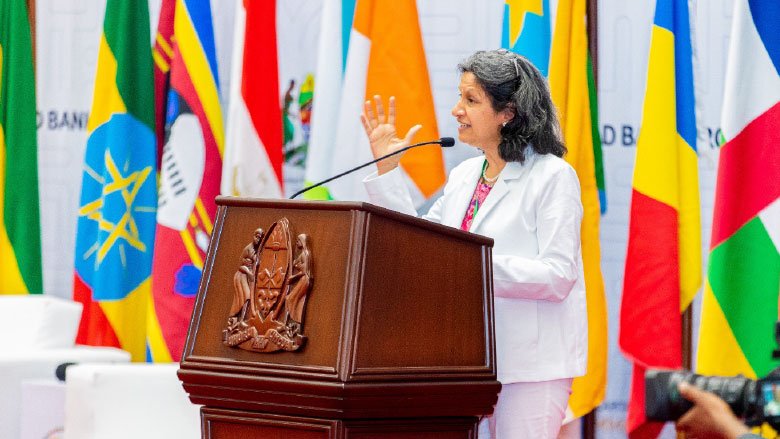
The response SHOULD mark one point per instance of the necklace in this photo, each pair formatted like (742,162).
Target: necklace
(484,177)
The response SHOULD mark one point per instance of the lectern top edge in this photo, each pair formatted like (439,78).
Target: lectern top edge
(352,205)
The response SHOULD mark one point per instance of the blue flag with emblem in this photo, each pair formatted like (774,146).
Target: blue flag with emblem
(117,210)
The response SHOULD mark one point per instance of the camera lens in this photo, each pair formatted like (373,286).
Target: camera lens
(663,401)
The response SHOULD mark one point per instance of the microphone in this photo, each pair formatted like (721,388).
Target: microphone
(445,142)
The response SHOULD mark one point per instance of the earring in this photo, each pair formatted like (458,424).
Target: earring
(504,123)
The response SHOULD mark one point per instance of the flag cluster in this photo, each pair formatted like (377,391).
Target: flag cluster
(140,299)
(158,154)
(370,45)
(384,50)
(139,256)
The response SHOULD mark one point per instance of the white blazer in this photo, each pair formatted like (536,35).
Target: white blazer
(533,213)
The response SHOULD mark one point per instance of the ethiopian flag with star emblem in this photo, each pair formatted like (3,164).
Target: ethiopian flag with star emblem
(117,210)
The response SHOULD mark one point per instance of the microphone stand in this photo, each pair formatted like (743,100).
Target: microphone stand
(444,142)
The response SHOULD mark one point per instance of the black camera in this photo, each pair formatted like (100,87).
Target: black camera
(756,401)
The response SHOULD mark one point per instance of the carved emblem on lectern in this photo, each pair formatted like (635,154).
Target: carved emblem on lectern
(269,292)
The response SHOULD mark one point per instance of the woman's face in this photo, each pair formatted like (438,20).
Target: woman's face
(478,124)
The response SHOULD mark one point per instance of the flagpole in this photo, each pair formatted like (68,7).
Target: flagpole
(591,12)
(592,28)
(31,18)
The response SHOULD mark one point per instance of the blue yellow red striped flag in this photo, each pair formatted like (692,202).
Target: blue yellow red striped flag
(663,263)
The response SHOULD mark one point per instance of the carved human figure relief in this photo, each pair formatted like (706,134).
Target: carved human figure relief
(270,289)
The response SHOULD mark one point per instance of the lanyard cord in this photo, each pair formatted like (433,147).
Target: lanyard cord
(476,195)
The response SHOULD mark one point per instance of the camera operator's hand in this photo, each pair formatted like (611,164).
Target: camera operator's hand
(710,416)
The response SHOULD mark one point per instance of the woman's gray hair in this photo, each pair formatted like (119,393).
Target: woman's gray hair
(512,82)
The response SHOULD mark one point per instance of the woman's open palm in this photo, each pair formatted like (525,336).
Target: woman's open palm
(382,134)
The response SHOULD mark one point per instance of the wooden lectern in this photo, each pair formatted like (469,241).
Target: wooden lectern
(395,339)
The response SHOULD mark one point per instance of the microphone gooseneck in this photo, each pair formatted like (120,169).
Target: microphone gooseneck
(445,142)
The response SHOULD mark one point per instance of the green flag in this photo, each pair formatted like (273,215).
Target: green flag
(20,238)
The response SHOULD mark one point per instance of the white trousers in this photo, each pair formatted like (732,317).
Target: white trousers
(528,410)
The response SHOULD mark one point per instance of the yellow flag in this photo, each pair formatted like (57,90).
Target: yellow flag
(569,86)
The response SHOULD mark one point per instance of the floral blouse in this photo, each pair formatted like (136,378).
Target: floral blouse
(480,193)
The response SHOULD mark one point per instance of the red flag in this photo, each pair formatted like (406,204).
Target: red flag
(253,152)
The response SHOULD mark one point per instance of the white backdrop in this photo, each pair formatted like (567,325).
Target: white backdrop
(67,41)
(68,33)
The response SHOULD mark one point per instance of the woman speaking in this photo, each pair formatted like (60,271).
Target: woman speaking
(526,197)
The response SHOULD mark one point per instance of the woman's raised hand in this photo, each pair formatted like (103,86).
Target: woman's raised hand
(382,135)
